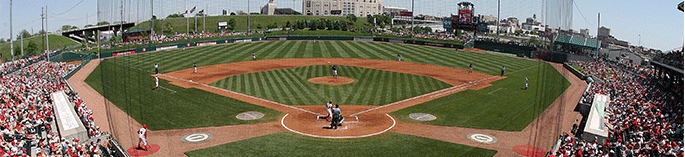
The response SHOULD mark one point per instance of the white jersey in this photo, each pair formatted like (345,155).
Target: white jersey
(142,132)
(329,106)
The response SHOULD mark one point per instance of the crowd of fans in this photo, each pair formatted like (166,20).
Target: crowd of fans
(27,115)
(642,118)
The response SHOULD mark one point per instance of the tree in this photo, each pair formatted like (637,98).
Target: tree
(174,16)
(369,19)
(352,17)
(2,40)
(88,25)
(232,14)
(287,24)
(231,23)
(320,24)
(240,12)
(23,33)
(259,26)
(103,23)
(65,27)
(313,25)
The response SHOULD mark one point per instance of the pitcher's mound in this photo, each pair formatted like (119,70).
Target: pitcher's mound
(137,151)
(330,80)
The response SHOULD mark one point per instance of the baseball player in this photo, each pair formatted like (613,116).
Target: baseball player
(336,117)
(329,106)
(470,68)
(253,56)
(502,74)
(194,68)
(526,83)
(399,57)
(156,82)
(335,70)
(156,68)
(142,137)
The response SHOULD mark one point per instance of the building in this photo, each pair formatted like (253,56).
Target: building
(603,32)
(269,8)
(491,20)
(359,8)
(585,33)
(393,11)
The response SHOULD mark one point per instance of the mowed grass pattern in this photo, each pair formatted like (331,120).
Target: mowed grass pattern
(505,105)
(169,107)
(388,144)
(371,86)
(178,59)
(502,113)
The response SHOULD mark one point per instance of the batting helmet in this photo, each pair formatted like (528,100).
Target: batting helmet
(144,126)
(331,101)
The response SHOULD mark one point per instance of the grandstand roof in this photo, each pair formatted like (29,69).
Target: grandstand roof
(577,41)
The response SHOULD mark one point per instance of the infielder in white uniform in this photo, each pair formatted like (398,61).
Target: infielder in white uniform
(142,137)
(329,106)
(156,82)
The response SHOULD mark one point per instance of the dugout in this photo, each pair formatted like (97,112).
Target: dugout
(68,123)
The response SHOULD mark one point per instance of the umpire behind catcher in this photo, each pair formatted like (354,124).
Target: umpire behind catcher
(336,117)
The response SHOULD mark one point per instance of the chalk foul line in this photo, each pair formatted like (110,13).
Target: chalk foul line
(338,137)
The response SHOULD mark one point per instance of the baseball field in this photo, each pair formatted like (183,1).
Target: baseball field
(377,103)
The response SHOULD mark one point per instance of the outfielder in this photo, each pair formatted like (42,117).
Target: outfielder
(194,68)
(470,68)
(502,74)
(142,137)
(329,106)
(253,56)
(335,70)
(399,57)
(156,68)
(526,83)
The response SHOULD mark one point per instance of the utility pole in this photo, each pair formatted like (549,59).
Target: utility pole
(21,35)
(47,44)
(187,25)
(42,23)
(204,18)
(152,20)
(498,3)
(121,23)
(248,16)
(11,43)
(412,18)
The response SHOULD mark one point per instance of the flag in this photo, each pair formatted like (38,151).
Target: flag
(185,12)
(193,10)
(201,11)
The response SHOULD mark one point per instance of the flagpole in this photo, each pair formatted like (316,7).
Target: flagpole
(187,25)
(204,18)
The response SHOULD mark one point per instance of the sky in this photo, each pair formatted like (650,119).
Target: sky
(657,25)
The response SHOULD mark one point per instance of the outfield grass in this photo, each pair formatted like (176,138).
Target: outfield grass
(371,86)
(503,106)
(130,89)
(388,144)
(179,59)
(56,42)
